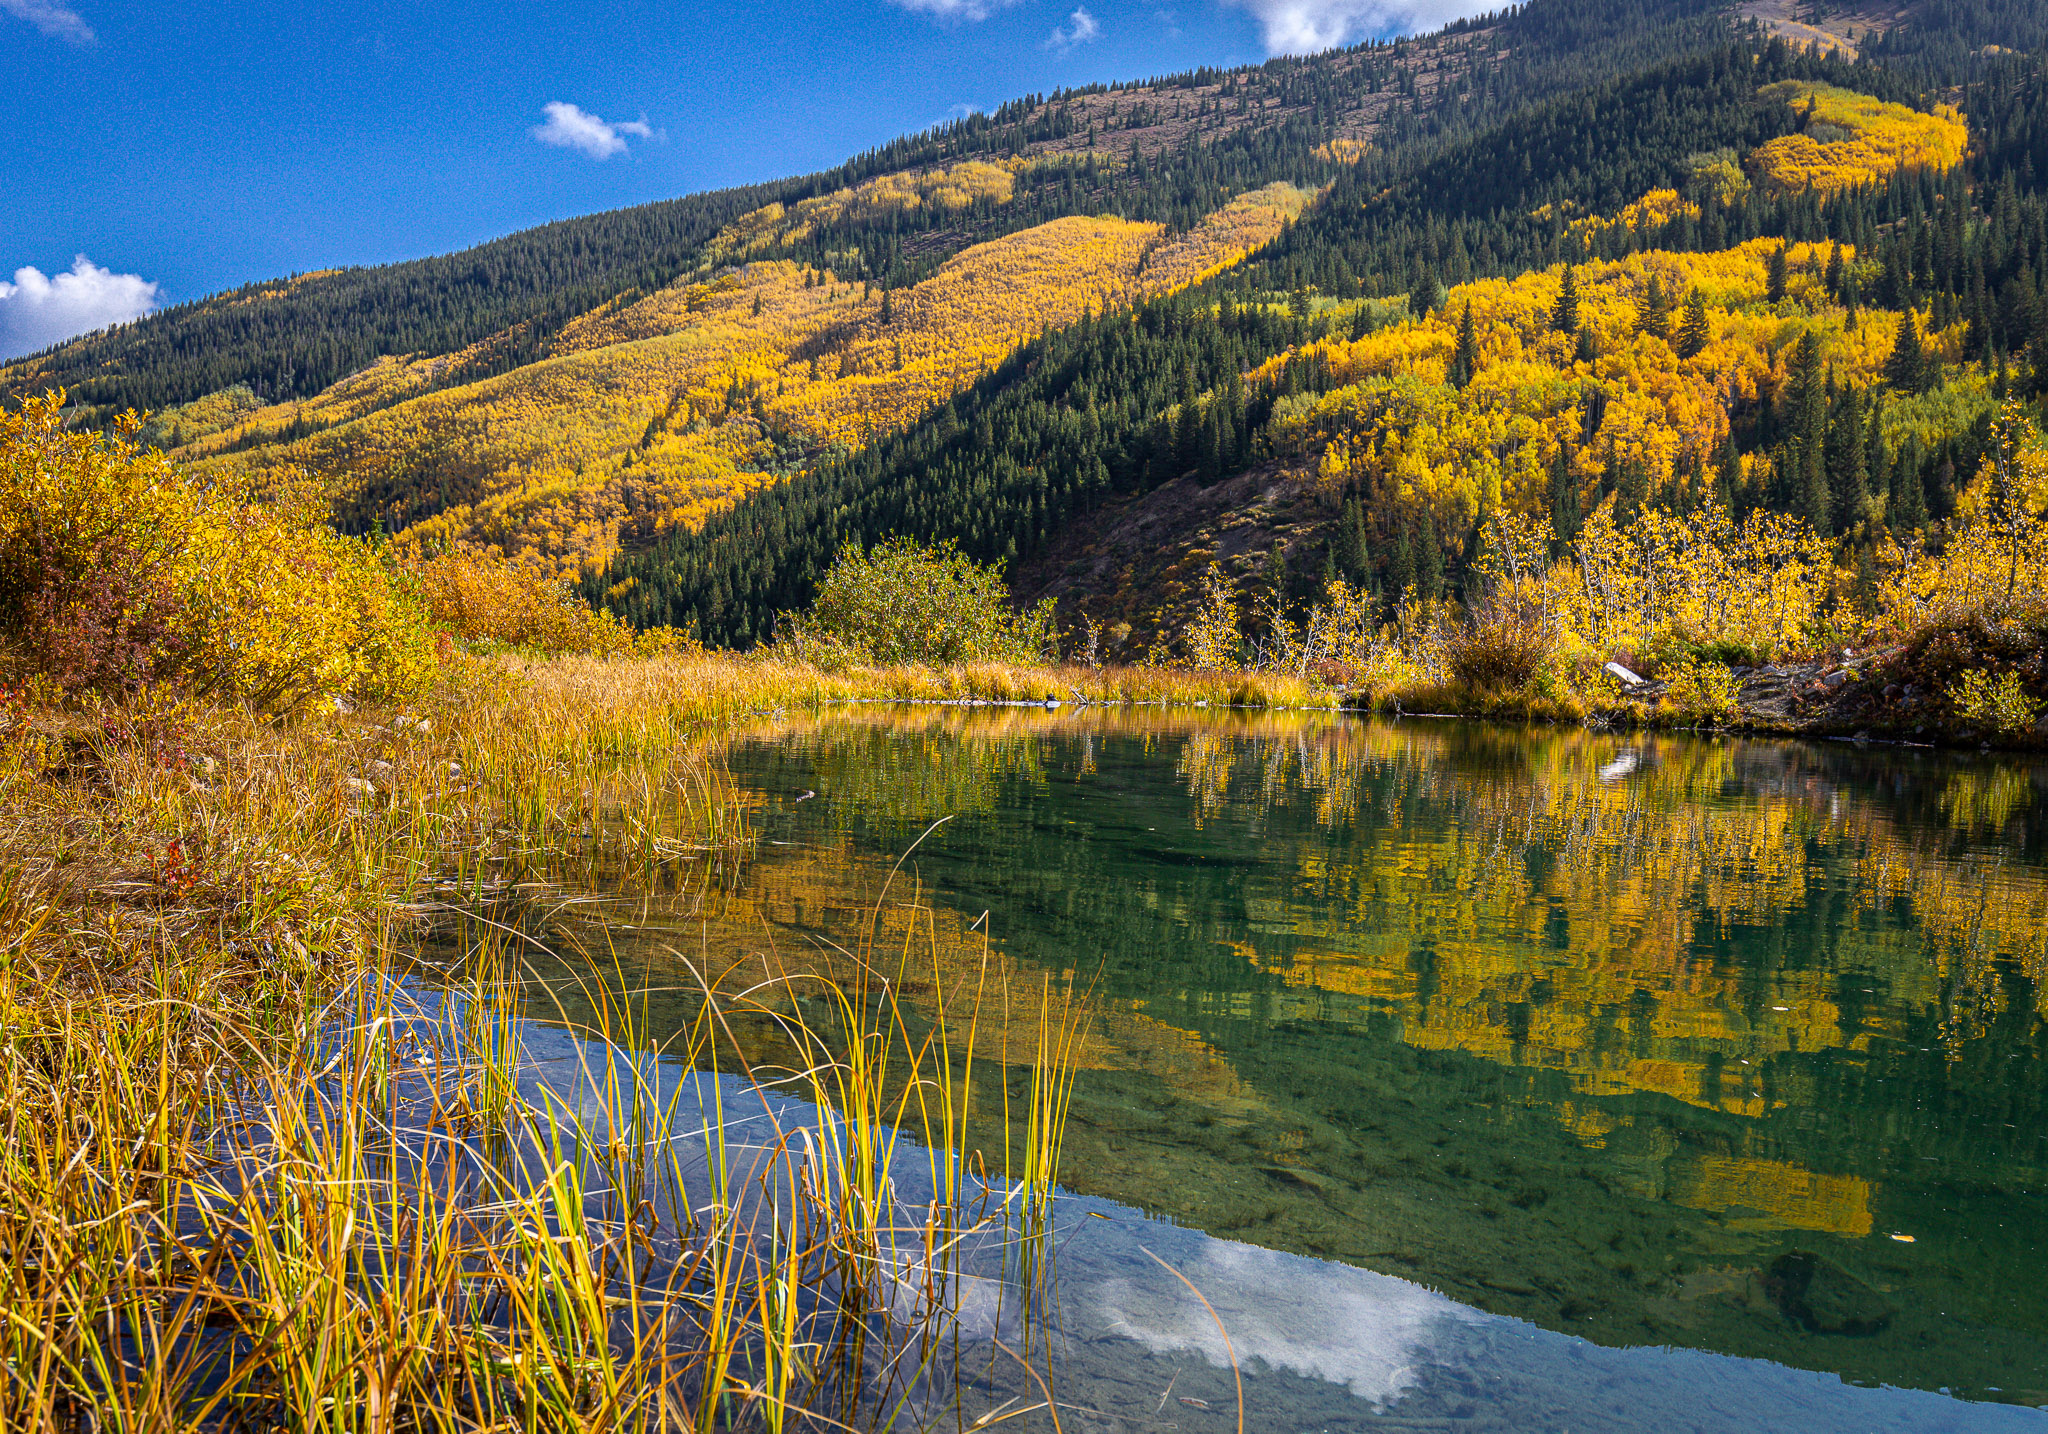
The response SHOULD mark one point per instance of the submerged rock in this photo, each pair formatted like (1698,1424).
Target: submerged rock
(1820,1295)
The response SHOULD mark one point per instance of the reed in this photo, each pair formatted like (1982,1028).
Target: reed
(386,1223)
(253,1175)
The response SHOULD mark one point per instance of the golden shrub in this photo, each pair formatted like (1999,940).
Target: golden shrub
(1995,700)
(117,571)
(481,597)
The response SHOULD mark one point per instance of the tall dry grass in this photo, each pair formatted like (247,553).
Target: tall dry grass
(379,1224)
(250,1179)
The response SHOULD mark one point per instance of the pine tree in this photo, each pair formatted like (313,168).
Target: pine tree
(1401,569)
(1728,473)
(1693,332)
(1777,273)
(1653,309)
(2037,344)
(1908,506)
(1806,453)
(889,309)
(1565,317)
(1273,576)
(1465,359)
(1905,370)
(1877,461)
(1848,461)
(1354,554)
(1564,497)
(1833,278)
(1424,296)
(1429,557)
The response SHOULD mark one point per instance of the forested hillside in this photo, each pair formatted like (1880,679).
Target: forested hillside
(1166,145)
(577,392)
(1314,318)
(1754,275)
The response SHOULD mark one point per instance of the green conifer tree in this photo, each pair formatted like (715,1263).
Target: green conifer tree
(1465,358)
(1905,370)
(1653,309)
(1693,332)
(1565,316)
(1565,516)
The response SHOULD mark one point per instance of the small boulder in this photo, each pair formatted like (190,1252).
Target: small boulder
(1819,1295)
(1628,679)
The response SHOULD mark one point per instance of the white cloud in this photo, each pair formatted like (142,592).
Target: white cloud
(37,310)
(1302,27)
(58,21)
(956,9)
(570,127)
(1079,30)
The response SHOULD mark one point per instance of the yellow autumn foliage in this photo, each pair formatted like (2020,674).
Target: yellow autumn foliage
(1995,559)
(488,600)
(1851,139)
(117,570)
(659,412)
(1391,419)
(385,382)
(1654,210)
(958,187)
(187,422)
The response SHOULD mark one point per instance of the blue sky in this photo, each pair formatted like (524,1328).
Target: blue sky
(184,147)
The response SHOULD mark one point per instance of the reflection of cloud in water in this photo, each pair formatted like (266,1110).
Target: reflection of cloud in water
(1372,1333)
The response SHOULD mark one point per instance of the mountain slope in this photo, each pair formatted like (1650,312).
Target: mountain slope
(989,331)
(653,415)
(291,373)
(1347,397)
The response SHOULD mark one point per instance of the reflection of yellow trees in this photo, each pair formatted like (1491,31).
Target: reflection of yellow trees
(808,911)
(1586,962)
(1779,1193)
(654,414)
(1550,903)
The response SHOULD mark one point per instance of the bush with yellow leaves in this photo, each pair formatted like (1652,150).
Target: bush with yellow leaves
(1702,694)
(117,573)
(483,598)
(1998,701)
(906,602)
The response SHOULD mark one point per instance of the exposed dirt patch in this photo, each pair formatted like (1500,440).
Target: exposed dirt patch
(1140,560)
(1824,31)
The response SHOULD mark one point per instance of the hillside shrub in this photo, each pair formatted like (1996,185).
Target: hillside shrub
(483,598)
(1968,655)
(1998,702)
(118,572)
(1702,693)
(902,601)
(1502,648)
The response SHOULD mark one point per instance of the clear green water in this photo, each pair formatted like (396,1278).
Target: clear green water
(1650,1042)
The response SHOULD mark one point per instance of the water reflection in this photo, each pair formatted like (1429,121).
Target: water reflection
(1655,1041)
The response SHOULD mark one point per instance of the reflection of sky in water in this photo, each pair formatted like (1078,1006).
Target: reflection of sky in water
(1307,1333)
(1327,1346)
(1370,1333)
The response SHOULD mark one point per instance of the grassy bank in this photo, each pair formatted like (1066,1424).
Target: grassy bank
(250,1175)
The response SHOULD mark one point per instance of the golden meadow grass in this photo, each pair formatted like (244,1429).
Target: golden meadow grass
(263,1170)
